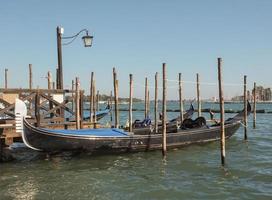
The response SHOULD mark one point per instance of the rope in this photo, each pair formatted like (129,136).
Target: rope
(169,87)
(190,82)
(206,83)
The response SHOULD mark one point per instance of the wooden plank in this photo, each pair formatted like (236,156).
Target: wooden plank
(4,102)
(54,109)
(12,106)
(61,105)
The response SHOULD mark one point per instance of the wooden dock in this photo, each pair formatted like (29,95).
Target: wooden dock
(45,108)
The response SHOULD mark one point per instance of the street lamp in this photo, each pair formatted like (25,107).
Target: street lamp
(87,40)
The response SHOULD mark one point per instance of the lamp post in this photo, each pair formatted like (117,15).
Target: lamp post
(87,39)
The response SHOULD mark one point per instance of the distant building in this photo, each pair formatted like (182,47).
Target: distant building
(238,98)
(214,99)
(267,94)
(263,94)
(241,98)
(259,93)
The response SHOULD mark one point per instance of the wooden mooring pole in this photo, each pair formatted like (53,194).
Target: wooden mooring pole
(49,80)
(81,108)
(91,98)
(146,91)
(198,96)
(37,109)
(77,104)
(2,144)
(130,101)
(6,78)
(222,112)
(164,110)
(30,84)
(111,107)
(57,78)
(156,103)
(30,76)
(94,104)
(97,100)
(180,99)
(73,100)
(148,104)
(117,105)
(245,107)
(49,86)
(115,85)
(254,106)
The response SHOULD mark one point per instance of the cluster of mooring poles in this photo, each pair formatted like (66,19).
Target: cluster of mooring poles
(94,102)
(79,101)
(164,95)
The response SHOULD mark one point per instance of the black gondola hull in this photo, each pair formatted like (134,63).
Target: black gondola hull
(51,142)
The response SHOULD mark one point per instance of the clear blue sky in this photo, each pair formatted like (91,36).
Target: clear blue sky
(136,37)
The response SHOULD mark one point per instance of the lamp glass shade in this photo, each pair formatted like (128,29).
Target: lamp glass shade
(88,40)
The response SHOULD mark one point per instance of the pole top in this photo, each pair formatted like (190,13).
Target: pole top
(60,30)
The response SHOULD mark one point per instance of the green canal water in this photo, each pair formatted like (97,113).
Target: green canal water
(192,172)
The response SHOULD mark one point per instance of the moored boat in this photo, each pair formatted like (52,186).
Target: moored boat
(117,140)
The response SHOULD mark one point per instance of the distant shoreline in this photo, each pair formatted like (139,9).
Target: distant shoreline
(188,101)
(226,102)
(239,102)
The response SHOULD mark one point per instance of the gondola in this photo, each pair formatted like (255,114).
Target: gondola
(108,141)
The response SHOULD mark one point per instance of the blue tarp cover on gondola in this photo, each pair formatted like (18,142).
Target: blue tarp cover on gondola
(101,132)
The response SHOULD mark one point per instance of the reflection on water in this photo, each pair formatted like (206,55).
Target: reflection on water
(193,172)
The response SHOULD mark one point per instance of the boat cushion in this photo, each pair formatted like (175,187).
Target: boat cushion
(101,132)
